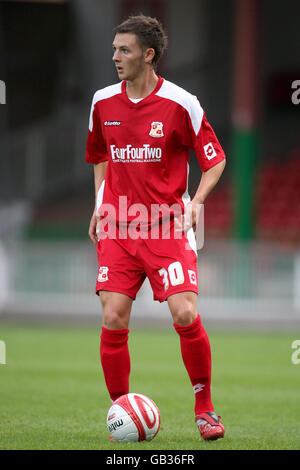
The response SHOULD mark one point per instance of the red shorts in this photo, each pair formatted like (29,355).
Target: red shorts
(168,264)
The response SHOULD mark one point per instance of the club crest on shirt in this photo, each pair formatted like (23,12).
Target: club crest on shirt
(156,129)
(102,274)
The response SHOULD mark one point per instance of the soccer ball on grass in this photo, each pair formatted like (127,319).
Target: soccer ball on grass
(133,417)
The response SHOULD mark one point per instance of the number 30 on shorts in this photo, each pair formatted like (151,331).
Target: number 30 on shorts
(173,275)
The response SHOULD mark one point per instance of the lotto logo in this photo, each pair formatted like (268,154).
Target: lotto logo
(193,277)
(198,388)
(103,274)
(209,151)
(112,123)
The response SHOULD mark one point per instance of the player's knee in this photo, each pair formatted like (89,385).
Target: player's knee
(115,320)
(184,313)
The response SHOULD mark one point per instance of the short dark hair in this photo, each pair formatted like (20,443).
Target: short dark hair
(149,32)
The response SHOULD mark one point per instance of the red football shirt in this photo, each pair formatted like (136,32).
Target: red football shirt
(147,145)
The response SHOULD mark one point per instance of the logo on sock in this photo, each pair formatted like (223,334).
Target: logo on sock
(198,388)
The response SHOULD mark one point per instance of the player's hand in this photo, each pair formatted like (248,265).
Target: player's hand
(189,219)
(93,229)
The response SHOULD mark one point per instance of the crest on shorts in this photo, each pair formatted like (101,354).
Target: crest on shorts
(102,274)
(156,129)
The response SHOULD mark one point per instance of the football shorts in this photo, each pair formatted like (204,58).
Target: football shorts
(169,264)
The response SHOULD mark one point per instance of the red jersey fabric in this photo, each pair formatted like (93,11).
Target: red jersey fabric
(147,144)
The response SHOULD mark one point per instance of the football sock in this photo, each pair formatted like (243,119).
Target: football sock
(115,360)
(196,355)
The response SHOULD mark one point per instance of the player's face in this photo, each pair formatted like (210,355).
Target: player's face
(128,56)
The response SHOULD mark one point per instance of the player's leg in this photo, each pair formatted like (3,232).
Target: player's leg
(119,278)
(116,308)
(195,347)
(172,271)
(196,355)
(114,352)
(183,307)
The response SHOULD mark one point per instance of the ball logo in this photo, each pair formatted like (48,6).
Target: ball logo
(115,425)
(156,129)
(209,151)
(142,406)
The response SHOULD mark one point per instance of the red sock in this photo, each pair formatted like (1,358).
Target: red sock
(196,355)
(115,360)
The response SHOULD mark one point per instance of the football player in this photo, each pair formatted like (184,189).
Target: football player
(141,131)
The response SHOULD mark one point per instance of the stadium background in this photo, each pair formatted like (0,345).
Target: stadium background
(241,58)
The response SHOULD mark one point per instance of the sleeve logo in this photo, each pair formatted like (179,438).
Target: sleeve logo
(156,129)
(209,151)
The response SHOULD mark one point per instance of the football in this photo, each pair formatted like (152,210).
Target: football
(133,417)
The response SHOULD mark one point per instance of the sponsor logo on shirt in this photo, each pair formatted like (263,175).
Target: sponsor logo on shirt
(209,151)
(135,154)
(156,129)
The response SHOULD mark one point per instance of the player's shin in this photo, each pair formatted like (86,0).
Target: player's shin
(196,355)
(115,360)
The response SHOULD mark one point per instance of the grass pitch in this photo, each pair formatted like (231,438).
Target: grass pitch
(53,396)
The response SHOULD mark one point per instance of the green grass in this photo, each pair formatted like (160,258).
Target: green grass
(52,392)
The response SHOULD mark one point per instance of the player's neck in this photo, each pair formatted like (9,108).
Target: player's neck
(143,85)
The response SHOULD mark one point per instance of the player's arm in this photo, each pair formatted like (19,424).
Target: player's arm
(99,176)
(211,158)
(208,181)
(96,154)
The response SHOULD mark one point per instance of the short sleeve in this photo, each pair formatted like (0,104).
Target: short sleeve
(96,151)
(203,139)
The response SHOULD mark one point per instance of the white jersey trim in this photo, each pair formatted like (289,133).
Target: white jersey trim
(186,199)
(103,94)
(100,195)
(188,101)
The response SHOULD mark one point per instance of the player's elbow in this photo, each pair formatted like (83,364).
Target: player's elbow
(218,169)
(221,166)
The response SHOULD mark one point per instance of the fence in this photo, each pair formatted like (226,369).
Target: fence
(253,282)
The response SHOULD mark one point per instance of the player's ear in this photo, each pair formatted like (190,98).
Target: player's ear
(149,55)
